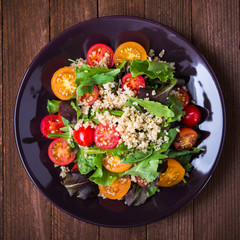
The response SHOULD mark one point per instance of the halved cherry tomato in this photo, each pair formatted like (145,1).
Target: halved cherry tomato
(84,136)
(134,83)
(129,51)
(106,136)
(100,53)
(50,124)
(117,189)
(182,95)
(75,166)
(90,98)
(60,153)
(141,182)
(192,116)
(63,83)
(185,139)
(173,175)
(114,164)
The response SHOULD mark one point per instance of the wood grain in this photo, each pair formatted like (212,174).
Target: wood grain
(61,19)
(1,130)
(215,27)
(176,15)
(26,212)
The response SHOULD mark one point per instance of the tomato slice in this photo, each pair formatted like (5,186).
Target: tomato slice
(117,189)
(192,116)
(106,136)
(60,153)
(134,83)
(141,182)
(89,98)
(100,54)
(173,175)
(50,124)
(182,95)
(75,166)
(114,164)
(185,139)
(63,83)
(84,136)
(129,51)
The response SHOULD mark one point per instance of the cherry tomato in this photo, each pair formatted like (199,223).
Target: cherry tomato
(182,95)
(192,116)
(134,83)
(185,139)
(117,189)
(51,124)
(114,164)
(173,175)
(60,119)
(106,137)
(100,53)
(141,182)
(129,51)
(90,98)
(63,83)
(75,166)
(84,136)
(60,153)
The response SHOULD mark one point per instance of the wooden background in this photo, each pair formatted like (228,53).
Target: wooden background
(212,26)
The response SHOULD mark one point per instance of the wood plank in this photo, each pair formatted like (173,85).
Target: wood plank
(1,136)
(176,15)
(132,8)
(124,7)
(26,213)
(61,19)
(215,28)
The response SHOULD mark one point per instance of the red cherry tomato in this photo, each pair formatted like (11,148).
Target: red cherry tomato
(60,119)
(51,124)
(75,166)
(182,95)
(192,116)
(134,83)
(84,136)
(106,137)
(185,139)
(60,153)
(141,182)
(90,98)
(100,53)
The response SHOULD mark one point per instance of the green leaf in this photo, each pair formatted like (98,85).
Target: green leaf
(65,121)
(65,136)
(160,70)
(146,169)
(129,103)
(151,191)
(177,107)
(53,106)
(172,133)
(76,108)
(155,108)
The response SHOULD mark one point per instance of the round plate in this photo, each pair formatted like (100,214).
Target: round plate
(35,90)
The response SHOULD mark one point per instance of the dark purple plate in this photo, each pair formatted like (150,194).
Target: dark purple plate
(35,90)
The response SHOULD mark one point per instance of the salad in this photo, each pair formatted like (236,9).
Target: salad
(122,126)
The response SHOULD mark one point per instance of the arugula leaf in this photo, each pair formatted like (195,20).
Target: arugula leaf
(117,113)
(76,109)
(130,102)
(147,169)
(65,136)
(155,108)
(172,133)
(177,107)
(117,151)
(86,165)
(160,70)
(53,106)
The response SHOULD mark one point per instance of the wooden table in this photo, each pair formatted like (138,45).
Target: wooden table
(212,26)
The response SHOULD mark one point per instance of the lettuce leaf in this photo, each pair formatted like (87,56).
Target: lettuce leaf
(160,70)
(53,106)
(156,108)
(177,108)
